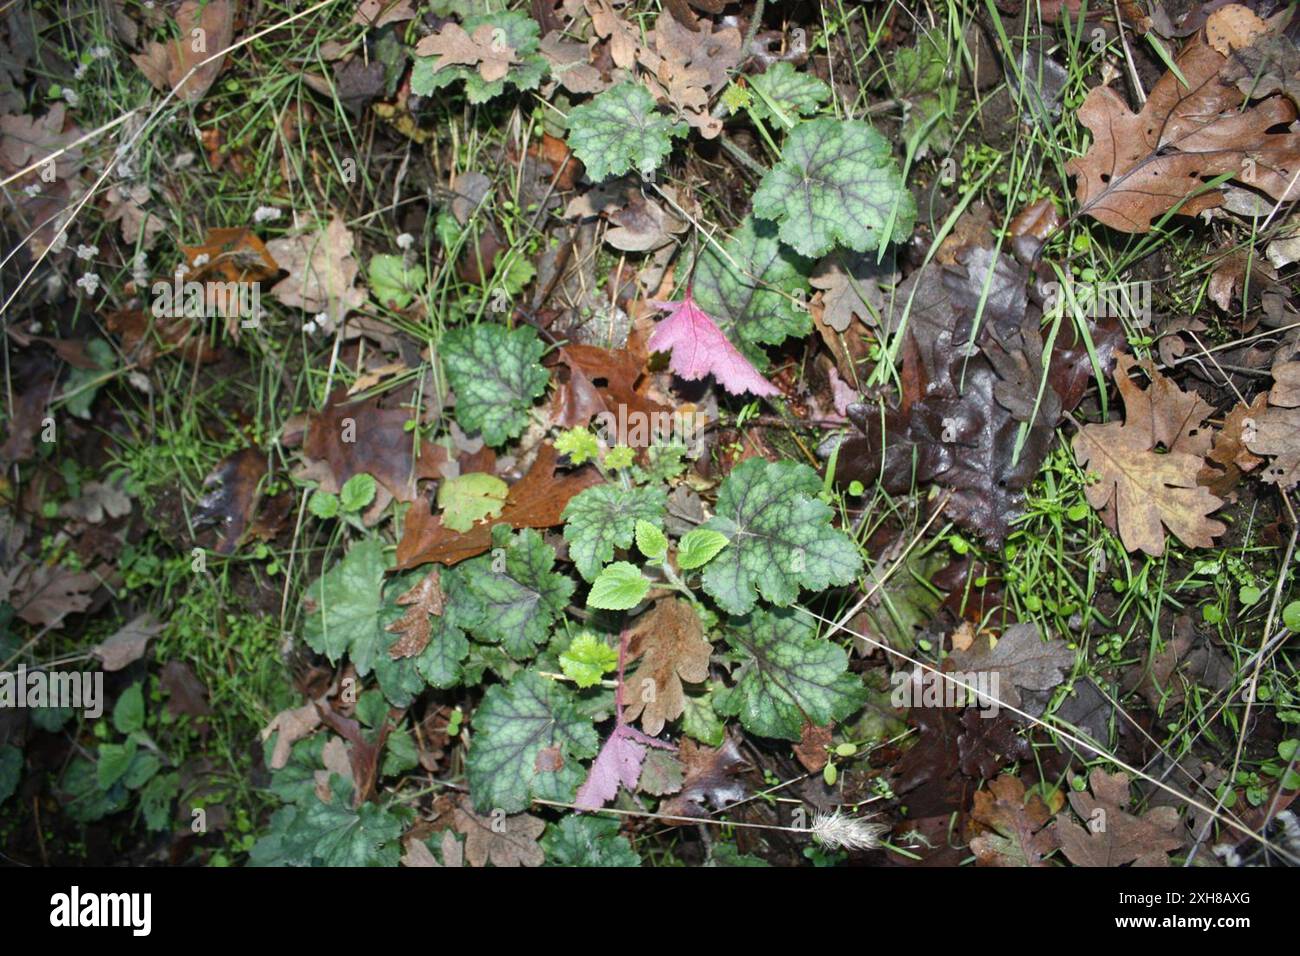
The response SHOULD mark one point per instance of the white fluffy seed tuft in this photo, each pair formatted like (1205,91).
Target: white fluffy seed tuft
(838,831)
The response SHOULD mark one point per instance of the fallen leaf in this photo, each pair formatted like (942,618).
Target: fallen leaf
(1020,834)
(321,270)
(231,495)
(1275,431)
(501,840)
(1113,837)
(292,725)
(46,594)
(699,349)
(356,438)
(1021,658)
(670,642)
(201,29)
(484,49)
(98,500)
(711,779)
(1141,491)
(128,644)
(1141,165)
(812,750)
(423,600)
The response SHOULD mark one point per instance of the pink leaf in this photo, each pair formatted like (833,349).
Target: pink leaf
(699,348)
(619,761)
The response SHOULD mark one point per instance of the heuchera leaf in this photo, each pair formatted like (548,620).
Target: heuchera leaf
(837,182)
(512,726)
(781,537)
(620,130)
(346,602)
(783,94)
(604,517)
(496,377)
(587,841)
(753,286)
(515,607)
(519,32)
(788,677)
(699,349)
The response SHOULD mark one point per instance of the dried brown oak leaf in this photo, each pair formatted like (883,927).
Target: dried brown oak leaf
(485,49)
(230,497)
(1020,835)
(1109,835)
(321,271)
(502,841)
(1141,165)
(128,645)
(422,601)
(670,642)
(1020,658)
(47,593)
(535,501)
(362,438)
(418,853)
(1140,490)
(1275,431)
(202,30)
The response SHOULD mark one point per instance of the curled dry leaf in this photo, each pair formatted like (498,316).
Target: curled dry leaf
(200,32)
(128,644)
(321,270)
(1141,165)
(1275,431)
(485,49)
(423,600)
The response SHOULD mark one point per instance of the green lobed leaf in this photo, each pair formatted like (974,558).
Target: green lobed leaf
(346,604)
(496,376)
(512,726)
(783,94)
(787,676)
(587,841)
(754,288)
(620,130)
(515,607)
(781,537)
(837,183)
(619,587)
(603,517)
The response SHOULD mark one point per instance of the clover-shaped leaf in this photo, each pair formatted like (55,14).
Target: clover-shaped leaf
(514,607)
(781,537)
(528,738)
(788,677)
(496,377)
(837,182)
(603,517)
(620,130)
(784,95)
(754,287)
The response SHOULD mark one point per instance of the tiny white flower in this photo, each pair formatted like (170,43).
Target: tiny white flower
(80,71)
(405,241)
(32,190)
(60,243)
(72,97)
(35,328)
(266,214)
(309,326)
(140,381)
(89,282)
(87,252)
(201,260)
(100,52)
